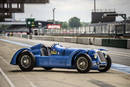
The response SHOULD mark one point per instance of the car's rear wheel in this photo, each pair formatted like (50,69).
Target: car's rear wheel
(108,66)
(83,64)
(26,61)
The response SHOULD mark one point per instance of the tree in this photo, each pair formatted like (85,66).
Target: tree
(64,25)
(84,24)
(74,22)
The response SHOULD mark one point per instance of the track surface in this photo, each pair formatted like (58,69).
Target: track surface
(60,77)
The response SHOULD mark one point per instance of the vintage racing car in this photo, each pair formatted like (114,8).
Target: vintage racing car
(58,56)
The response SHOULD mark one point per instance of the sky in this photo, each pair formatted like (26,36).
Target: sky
(65,9)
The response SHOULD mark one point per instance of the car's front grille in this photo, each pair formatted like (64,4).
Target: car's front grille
(101,56)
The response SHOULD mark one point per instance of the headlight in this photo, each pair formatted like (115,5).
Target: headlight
(95,55)
(105,54)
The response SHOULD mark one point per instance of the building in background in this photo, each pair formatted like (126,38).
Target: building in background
(8,7)
(98,16)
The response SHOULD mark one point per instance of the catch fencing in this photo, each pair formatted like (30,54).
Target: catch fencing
(101,29)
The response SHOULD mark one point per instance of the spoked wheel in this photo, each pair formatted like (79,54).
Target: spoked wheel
(47,68)
(108,66)
(26,61)
(83,64)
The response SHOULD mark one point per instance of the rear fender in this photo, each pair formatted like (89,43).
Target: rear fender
(15,56)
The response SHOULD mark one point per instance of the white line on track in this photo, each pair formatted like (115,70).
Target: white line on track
(121,68)
(9,81)
(4,60)
(119,54)
(6,77)
(31,83)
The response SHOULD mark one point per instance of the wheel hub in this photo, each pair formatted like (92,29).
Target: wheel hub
(82,63)
(25,61)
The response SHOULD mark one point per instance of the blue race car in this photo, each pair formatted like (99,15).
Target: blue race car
(58,56)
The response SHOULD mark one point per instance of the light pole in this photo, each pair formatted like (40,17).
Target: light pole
(94,5)
(54,15)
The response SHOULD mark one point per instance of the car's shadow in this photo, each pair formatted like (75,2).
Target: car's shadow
(60,71)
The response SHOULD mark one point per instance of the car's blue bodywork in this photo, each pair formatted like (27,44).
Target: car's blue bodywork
(60,57)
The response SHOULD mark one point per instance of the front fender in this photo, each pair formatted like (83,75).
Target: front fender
(73,56)
(80,53)
(14,58)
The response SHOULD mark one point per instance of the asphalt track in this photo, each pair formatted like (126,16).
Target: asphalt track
(12,76)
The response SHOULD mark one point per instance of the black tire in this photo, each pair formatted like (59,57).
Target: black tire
(47,68)
(83,64)
(26,61)
(109,62)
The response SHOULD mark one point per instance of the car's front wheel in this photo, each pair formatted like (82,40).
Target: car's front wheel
(108,66)
(26,61)
(83,64)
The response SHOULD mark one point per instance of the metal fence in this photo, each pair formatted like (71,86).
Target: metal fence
(94,29)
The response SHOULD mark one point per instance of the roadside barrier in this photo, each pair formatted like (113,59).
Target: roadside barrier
(128,43)
(120,43)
